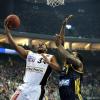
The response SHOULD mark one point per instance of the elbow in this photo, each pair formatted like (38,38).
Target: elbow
(80,64)
(75,62)
(81,68)
(58,68)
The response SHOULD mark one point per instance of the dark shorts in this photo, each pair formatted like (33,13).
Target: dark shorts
(67,89)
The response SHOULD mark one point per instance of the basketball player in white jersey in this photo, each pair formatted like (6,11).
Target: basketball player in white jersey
(38,68)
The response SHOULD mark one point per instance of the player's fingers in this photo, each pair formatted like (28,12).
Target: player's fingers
(58,36)
(44,56)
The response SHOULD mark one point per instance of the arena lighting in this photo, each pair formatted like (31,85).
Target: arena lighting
(87,46)
(69,26)
(66,45)
(95,46)
(22,41)
(7,51)
(47,42)
(2,40)
(76,45)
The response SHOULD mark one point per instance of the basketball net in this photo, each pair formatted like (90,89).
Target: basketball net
(54,3)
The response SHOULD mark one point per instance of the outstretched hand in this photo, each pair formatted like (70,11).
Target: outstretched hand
(6,27)
(60,38)
(45,59)
(66,19)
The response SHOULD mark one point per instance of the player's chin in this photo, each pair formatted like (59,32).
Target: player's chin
(40,50)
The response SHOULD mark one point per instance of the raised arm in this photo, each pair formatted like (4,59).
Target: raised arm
(22,52)
(62,30)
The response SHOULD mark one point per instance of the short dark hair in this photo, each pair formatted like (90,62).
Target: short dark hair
(80,57)
(78,54)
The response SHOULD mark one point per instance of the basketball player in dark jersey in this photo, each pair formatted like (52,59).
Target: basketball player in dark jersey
(72,70)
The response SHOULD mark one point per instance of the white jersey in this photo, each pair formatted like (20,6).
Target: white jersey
(35,68)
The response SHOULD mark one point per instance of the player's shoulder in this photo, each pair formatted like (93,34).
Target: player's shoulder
(49,55)
(30,52)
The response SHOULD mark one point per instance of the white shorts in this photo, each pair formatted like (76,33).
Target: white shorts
(28,92)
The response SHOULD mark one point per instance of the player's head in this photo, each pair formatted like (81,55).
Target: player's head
(41,47)
(77,54)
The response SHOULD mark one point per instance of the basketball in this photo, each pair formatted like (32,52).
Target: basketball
(13,21)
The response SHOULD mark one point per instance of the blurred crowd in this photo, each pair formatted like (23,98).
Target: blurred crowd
(12,71)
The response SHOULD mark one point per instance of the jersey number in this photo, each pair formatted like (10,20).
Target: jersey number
(41,61)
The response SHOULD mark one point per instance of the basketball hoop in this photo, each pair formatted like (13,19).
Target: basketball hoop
(54,3)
